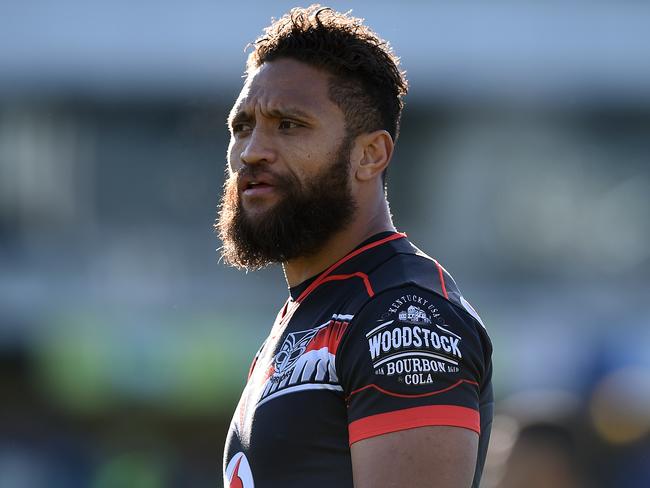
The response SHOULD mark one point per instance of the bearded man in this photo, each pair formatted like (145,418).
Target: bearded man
(376,372)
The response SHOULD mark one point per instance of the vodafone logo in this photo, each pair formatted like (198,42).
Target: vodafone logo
(238,472)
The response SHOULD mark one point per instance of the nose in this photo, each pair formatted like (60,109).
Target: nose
(257,148)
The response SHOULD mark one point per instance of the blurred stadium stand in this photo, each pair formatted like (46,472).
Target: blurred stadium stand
(523,166)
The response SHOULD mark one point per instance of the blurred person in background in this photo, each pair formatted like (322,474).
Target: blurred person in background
(377,372)
(544,456)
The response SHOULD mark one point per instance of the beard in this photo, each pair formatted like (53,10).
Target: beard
(307,214)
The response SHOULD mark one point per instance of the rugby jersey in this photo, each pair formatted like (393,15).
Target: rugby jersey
(380,342)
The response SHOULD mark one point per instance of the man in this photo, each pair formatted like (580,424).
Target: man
(376,372)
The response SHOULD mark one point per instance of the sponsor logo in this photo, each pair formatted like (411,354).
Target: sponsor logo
(416,365)
(415,345)
(418,301)
(238,472)
(305,360)
(403,337)
(414,315)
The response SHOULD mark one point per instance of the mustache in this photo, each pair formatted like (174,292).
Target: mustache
(258,172)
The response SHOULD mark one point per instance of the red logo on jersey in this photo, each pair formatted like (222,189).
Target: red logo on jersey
(238,473)
(305,360)
(236,481)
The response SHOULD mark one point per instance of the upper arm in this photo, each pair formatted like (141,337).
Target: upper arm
(435,456)
(412,367)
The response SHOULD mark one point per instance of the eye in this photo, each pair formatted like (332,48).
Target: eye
(241,127)
(289,124)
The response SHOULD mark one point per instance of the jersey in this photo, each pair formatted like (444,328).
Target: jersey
(380,342)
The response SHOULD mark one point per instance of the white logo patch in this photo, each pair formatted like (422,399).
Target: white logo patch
(414,345)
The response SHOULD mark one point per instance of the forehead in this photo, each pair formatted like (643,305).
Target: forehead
(286,83)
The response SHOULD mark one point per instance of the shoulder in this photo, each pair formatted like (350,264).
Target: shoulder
(410,353)
(410,328)
(411,269)
(413,316)
(416,310)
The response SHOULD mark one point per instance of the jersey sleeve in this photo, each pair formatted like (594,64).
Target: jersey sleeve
(411,359)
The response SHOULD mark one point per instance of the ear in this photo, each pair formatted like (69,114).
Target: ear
(371,154)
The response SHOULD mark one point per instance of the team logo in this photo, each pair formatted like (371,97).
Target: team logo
(238,472)
(293,347)
(305,360)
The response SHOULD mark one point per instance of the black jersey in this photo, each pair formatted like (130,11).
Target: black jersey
(380,342)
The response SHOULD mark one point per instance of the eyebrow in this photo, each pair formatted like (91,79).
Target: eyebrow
(291,112)
(236,117)
(277,113)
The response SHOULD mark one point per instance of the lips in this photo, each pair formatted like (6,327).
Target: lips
(256,184)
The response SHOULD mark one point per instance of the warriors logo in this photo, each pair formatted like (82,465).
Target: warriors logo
(292,348)
(305,361)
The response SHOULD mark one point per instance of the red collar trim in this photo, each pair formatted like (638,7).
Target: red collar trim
(323,277)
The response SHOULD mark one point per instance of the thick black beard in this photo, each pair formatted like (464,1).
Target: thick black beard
(297,226)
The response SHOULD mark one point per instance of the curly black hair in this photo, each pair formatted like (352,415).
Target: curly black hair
(366,83)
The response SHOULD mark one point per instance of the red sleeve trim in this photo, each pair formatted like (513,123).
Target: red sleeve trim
(410,418)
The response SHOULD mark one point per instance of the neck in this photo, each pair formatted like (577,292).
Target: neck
(338,245)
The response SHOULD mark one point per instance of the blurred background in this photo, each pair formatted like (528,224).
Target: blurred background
(523,166)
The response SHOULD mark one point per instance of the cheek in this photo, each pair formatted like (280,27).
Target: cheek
(305,161)
(231,156)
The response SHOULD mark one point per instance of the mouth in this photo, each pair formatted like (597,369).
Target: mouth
(256,186)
